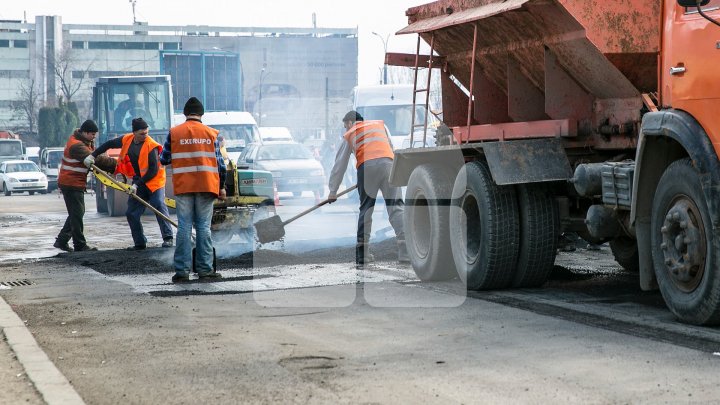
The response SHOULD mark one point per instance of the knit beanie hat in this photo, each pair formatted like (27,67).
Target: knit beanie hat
(352,116)
(193,106)
(89,126)
(138,124)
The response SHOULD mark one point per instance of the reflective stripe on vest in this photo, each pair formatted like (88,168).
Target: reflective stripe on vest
(369,141)
(156,182)
(194,163)
(73,172)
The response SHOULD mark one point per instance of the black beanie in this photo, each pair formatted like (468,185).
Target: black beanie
(352,116)
(193,107)
(138,124)
(89,126)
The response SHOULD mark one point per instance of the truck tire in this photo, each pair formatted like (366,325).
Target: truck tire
(626,254)
(6,190)
(425,221)
(539,229)
(485,231)
(684,250)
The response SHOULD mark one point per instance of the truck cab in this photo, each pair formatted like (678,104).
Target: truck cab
(116,101)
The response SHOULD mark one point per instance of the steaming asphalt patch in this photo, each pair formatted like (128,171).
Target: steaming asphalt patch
(243,281)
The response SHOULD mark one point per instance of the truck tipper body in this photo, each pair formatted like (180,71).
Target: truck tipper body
(595,117)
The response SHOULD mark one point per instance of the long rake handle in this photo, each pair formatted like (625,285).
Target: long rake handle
(318,205)
(135,196)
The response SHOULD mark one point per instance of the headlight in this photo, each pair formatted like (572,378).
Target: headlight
(13,180)
(43,178)
(276,174)
(317,172)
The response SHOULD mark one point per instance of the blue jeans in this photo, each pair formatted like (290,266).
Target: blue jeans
(194,209)
(136,209)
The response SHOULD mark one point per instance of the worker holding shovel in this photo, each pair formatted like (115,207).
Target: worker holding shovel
(371,145)
(139,161)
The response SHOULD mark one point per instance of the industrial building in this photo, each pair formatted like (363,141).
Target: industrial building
(295,77)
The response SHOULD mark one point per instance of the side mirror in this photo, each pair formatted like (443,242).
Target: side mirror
(692,3)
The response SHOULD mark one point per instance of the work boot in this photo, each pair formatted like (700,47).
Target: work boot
(213,275)
(167,243)
(178,278)
(363,257)
(62,246)
(85,248)
(402,252)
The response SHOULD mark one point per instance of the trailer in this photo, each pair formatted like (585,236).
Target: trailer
(595,117)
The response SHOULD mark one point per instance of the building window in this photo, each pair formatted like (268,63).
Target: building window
(4,43)
(171,46)
(14,74)
(20,43)
(78,44)
(78,74)
(152,45)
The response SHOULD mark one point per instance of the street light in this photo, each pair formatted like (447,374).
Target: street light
(384,42)
(263,75)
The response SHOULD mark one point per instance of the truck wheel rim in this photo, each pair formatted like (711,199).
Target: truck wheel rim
(684,244)
(421,225)
(471,226)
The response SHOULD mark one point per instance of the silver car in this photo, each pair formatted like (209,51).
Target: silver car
(292,165)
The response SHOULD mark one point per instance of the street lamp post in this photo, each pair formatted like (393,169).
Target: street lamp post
(260,94)
(384,42)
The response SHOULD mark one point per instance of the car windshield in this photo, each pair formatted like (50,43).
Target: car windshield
(13,148)
(237,136)
(397,118)
(54,158)
(284,151)
(21,167)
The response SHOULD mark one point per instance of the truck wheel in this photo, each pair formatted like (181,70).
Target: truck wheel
(425,221)
(485,233)
(683,250)
(6,190)
(625,250)
(539,229)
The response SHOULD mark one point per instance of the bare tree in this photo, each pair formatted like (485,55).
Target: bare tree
(64,65)
(27,104)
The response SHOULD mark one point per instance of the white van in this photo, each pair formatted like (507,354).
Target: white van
(237,128)
(50,160)
(393,104)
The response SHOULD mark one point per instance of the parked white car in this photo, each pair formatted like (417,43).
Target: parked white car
(17,176)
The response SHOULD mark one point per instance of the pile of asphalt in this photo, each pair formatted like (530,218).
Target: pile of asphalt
(159,260)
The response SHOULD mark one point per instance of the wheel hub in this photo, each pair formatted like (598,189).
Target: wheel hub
(684,244)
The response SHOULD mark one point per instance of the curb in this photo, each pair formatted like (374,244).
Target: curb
(47,379)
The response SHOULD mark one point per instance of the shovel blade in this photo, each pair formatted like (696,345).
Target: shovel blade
(270,229)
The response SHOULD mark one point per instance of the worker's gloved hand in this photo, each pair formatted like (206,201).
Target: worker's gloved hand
(133,189)
(223,195)
(89,161)
(332,197)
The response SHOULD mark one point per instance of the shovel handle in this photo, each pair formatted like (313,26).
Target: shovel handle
(318,205)
(135,196)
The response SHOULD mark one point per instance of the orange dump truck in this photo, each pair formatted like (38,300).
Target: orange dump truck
(587,116)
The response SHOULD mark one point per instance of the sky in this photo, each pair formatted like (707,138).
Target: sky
(384,17)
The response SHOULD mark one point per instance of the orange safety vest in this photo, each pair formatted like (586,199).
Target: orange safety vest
(369,141)
(125,167)
(73,172)
(194,164)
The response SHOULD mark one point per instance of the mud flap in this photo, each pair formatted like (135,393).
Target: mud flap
(527,161)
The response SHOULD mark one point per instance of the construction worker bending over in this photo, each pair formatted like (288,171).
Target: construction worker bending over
(139,160)
(198,174)
(72,181)
(371,145)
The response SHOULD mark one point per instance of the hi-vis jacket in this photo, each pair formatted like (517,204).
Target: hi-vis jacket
(73,172)
(368,141)
(125,167)
(194,163)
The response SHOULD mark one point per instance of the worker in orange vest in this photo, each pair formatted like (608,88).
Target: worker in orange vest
(71,182)
(371,145)
(139,160)
(198,174)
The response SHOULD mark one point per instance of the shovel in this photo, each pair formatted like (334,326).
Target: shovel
(273,229)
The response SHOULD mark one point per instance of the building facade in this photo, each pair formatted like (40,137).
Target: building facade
(295,77)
